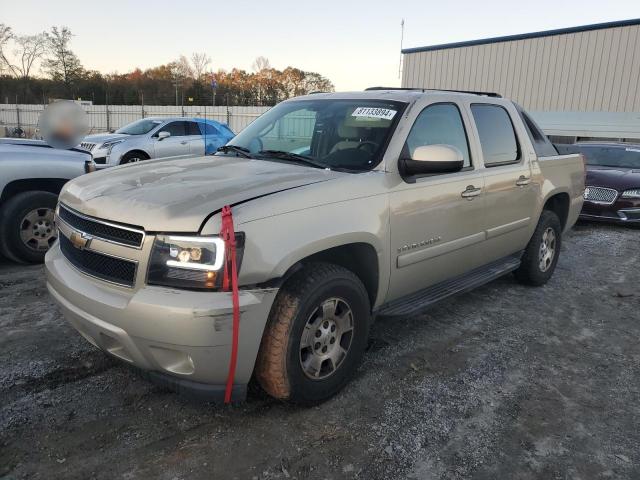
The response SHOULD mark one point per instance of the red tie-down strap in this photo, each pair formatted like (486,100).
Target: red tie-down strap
(230,276)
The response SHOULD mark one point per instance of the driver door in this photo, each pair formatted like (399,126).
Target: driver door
(437,221)
(176,145)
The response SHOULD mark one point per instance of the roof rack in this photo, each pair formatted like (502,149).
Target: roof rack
(486,94)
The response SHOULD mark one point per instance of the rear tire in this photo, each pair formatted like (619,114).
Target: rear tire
(27,226)
(315,336)
(541,255)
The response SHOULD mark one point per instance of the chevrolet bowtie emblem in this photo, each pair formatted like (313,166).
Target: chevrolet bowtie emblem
(79,240)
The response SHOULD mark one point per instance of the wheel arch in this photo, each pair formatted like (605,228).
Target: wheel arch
(358,256)
(559,203)
(51,185)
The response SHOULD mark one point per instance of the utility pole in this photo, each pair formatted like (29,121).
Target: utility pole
(401,40)
(176,83)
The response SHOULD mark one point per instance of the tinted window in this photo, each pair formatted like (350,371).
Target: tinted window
(541,143)
(439,124)
(176,129)
(497,138)
(210,129)
(193,128)
(625,157)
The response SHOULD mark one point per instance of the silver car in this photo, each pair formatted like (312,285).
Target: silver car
(31,176)
(156,137)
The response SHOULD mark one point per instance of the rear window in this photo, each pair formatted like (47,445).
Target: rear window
(613,156)
(497,137)
(541,143)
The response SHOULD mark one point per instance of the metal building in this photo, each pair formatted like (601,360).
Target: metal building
(580,82)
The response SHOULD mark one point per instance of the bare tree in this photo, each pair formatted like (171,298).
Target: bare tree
(28,49)
(62,64)
(200,63)
(261,63)
(5,36)
(182,67)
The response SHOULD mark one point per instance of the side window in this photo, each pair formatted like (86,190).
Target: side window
(176,129)
(193,128)
(497,137)
(439,124)
(210,129)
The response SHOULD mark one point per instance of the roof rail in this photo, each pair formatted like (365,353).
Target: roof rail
(472,92)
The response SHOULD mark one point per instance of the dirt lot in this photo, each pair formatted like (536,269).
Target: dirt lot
(504,382)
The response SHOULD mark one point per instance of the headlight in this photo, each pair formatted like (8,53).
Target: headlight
(633,193)
(110,144)
(189,261)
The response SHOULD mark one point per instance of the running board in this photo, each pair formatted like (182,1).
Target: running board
(416,302)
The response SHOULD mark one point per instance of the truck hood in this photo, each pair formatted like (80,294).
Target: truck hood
(99,138)
(178,195)
(613,177)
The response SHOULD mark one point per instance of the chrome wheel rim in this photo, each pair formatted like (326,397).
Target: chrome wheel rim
(547,249)
(326,338)
(37,229)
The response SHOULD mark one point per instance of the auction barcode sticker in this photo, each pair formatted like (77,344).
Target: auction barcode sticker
(374,112)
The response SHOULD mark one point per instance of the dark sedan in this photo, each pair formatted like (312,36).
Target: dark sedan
(612,191)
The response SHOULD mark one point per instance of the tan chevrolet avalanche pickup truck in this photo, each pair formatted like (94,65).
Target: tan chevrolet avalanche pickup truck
(345,206)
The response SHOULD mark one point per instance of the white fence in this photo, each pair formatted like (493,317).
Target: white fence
(103,118)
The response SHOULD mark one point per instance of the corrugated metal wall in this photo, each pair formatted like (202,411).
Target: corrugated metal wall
(597,70)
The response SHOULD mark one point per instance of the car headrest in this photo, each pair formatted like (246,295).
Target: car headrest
(347,131)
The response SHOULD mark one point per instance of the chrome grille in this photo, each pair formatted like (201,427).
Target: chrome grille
(87,146)
(600,195)
(105,267)
(110,232)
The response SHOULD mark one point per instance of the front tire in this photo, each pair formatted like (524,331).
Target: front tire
(315,336)
(541,255)
(133,157)
(27,226)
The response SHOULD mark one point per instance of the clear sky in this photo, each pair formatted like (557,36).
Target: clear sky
(354,43)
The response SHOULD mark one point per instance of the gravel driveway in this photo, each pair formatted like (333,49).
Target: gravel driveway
(506,382)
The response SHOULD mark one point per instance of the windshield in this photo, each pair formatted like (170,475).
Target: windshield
(139,127)
(622,157)
(348,134)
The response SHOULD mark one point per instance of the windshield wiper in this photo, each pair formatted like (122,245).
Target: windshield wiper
(243,152)
(295,157)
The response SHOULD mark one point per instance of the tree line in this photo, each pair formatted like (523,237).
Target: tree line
(41,68)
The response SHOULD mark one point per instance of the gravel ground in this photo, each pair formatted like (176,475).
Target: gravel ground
(504,382)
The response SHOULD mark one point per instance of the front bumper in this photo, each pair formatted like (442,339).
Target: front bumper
(180,337)
(621,211)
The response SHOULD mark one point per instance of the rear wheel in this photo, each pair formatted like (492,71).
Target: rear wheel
(315,336)
(27,226)
(541,255)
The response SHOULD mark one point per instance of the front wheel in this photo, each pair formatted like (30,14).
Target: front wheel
(541,255)
(315,336)
(27,226)
(133,157)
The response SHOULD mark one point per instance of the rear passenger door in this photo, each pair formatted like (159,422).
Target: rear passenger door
(510,194)
(195,138)
(176,145)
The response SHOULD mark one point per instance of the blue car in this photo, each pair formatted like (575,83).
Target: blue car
(157,137)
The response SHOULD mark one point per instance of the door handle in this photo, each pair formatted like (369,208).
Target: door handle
(471,192)
(184,142)
(523,181)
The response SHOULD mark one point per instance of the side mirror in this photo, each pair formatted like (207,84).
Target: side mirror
(162,135)
(432,159)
